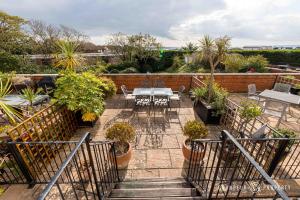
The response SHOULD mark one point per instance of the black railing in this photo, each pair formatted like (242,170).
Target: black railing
(89,172)
(225,169)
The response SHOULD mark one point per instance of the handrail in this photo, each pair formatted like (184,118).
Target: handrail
(282,194)
(61,169)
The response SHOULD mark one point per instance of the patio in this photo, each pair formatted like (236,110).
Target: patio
(157,149)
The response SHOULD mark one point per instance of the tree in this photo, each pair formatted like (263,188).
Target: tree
(213,51)
(68,58)
(13,38)
(190,48)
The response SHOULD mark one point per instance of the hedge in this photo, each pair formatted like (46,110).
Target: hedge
(276,57)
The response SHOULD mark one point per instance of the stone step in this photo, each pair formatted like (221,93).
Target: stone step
(154,192)
(162,179)
(153,184)
(159,198)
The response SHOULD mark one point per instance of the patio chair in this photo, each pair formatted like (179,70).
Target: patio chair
(177,96)
(146,84)
(252,94)
(279,110)
(127,96)
(160,102)
(282,87)
(159,83)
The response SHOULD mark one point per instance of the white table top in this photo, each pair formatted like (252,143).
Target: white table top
(281,96)
(152,91)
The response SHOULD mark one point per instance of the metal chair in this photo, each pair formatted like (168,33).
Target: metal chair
(282,87)
(276,111)
(142,102)
(252,94)
(146,84)
(177,96)
(161,102)
(127,96)
(159,83)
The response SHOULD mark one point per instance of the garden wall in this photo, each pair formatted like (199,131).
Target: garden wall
(233,82)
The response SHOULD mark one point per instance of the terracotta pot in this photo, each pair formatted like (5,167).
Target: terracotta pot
(197,155)
(123,160)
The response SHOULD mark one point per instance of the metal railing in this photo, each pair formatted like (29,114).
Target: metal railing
(226,169)
(89,172)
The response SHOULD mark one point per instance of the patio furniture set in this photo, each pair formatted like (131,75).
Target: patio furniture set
(152,96)
(279,95)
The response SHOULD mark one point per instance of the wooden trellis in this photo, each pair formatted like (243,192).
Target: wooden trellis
(54,123)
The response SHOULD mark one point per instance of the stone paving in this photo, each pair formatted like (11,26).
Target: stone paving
(157,149)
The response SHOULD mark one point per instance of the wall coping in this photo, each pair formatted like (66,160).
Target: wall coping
(178,74)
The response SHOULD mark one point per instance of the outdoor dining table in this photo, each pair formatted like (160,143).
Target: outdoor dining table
(152,92)
(18,101)
(280,96)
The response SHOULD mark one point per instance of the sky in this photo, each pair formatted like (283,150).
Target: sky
(173,22)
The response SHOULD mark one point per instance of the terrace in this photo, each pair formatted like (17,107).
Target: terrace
(157,154)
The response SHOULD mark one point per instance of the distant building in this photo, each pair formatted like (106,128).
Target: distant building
(257,48)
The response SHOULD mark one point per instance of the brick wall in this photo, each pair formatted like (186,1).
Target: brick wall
(233,82)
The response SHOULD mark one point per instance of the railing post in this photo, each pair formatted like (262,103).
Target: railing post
(280,150)
(190,161)
(116,164)
(87,142)
(223,138)
(21,164)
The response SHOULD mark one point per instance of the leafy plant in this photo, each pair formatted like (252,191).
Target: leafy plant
(217,100)
(234,62)
(214,52)
(11,113)
(195,130)
(297,86)
(285,133)
(248,111)
(68,58)
(289,77)
(122,133)
(257,63)
(81,92)
(29,94)
(108,87)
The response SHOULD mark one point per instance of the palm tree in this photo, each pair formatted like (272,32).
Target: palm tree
(189,48)
(11,113)
(213,51)
(68,58)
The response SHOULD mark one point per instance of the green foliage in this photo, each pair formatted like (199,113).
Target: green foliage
(121,132)
(29,94)
(258,63)
(290,77)
(234,62)
(108,87)
(189,48)
(249,110)
(81,92)
(277,57)
(121,67)
(217,100)
(297,86)
(195,130)
(285,133)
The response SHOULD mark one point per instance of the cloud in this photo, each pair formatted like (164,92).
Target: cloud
(174,22)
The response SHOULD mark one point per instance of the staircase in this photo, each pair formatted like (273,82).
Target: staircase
(153,189)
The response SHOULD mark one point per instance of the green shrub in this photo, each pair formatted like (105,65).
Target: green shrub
(195,130)
(277,57)
(234,62)
(258,63)
(285,133)
(117,68)
(122,133)
(81,92)
(108,87)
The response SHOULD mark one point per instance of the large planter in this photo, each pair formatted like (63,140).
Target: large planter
(123,160)
(82,123)
(206,112)
(198,155)
(229,154)
(295,91)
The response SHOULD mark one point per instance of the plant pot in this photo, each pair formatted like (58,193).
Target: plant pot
(295,91)
(229,155)
(206,113)
(123,160)
(82,123)
(197,155)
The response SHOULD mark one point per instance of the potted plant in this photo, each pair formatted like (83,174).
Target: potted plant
(285,133)
(211,101)
(193,130)
(210,111)
(296,89)
(248,111)
(82,94)
(122,133)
